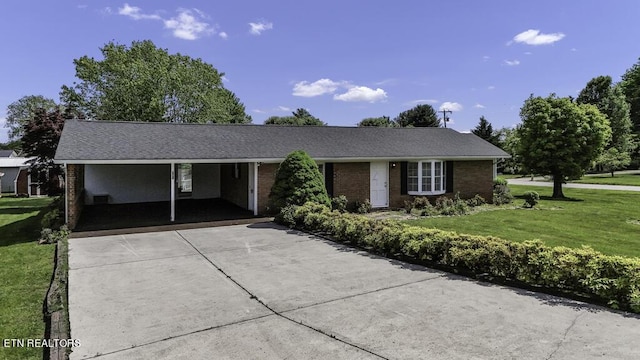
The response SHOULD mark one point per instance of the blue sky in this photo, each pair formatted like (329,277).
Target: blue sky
(342,60)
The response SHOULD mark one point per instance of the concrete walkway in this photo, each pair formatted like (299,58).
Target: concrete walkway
(264,292)
(539,182)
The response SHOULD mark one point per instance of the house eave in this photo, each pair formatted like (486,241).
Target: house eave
(265,160)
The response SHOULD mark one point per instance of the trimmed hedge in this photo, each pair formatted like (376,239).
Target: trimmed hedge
(613,280)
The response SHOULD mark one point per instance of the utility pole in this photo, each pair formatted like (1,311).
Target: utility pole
(444,116)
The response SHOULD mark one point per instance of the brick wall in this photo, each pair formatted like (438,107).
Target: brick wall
(473,177)
(75,197)
(469,178)
(266,178)
(351,180)
(232,189)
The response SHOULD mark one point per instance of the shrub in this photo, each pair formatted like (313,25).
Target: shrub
(586,272)
(531,199)
(286,216)
(502,195)
(421,202)
(499,181)
(448,206)
(477,200)
(363,207)
(298,181)
(339,203)
(49,236)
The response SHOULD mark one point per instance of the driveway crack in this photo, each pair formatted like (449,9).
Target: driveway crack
(277,313)
(564,337)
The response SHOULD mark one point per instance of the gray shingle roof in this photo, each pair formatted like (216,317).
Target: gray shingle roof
(108,140)
(6,153)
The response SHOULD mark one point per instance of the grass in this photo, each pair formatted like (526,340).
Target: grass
(608,221)
(606,179)
(25,272)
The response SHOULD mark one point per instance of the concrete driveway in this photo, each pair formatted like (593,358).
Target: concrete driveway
(264,292)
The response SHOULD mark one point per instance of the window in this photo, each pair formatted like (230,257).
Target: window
(426,177)
(184,178)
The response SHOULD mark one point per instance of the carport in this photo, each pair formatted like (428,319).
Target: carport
(129,194)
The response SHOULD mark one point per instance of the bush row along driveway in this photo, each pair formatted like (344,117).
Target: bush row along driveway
(262,291)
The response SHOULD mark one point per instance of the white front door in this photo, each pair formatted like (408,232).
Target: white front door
(379,194)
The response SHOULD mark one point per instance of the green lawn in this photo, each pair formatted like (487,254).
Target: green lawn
(25,272)
(618,179)
(608,221)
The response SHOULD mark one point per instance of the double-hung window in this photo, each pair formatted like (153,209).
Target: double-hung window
(426,177)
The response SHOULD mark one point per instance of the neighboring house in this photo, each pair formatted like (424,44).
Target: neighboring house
(16,177)
(8,154)
(132,162)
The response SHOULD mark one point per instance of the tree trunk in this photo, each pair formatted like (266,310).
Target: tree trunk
(611,173)
(557,187)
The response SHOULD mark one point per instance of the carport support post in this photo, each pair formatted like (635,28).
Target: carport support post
(173,192)
(255,188)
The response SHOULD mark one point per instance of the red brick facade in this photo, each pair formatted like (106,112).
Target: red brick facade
(473,177)
(351,180)
(266,178)
(75,193)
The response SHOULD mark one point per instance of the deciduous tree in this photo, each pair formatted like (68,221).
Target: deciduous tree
(423,115)
(560,138)
(383,121)
(40,140)
(20,112)
(299,117)
(146,83)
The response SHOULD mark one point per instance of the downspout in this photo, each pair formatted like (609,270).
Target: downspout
(173,192)
(255,188)
(66,195)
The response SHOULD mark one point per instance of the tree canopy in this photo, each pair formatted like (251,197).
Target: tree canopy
(40,140)
(20,112)
(631,88)
(300,117)
(146,83)
(383,121)
(423,115)
(611,101)
(560,138)
(484,130)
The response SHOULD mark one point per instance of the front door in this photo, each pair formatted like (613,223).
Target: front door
(379,195)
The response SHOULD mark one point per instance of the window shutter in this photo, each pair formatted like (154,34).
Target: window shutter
(403,178)
(328,178)
(449,176)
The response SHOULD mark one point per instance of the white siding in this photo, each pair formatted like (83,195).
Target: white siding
(9,178)
(146,183)
(128,183)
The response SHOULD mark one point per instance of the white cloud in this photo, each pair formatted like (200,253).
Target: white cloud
(491,87)
(188,25)
(362,93)
(512,62)
(225,79)
(574,49)
(486,57)
(259,27)
(316,88)
(535,37)
(422,101)
(479,106)
(223,35)
(284,108)
(106,11)
(528,53)
(258,111)
(451,106)
(135,13)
